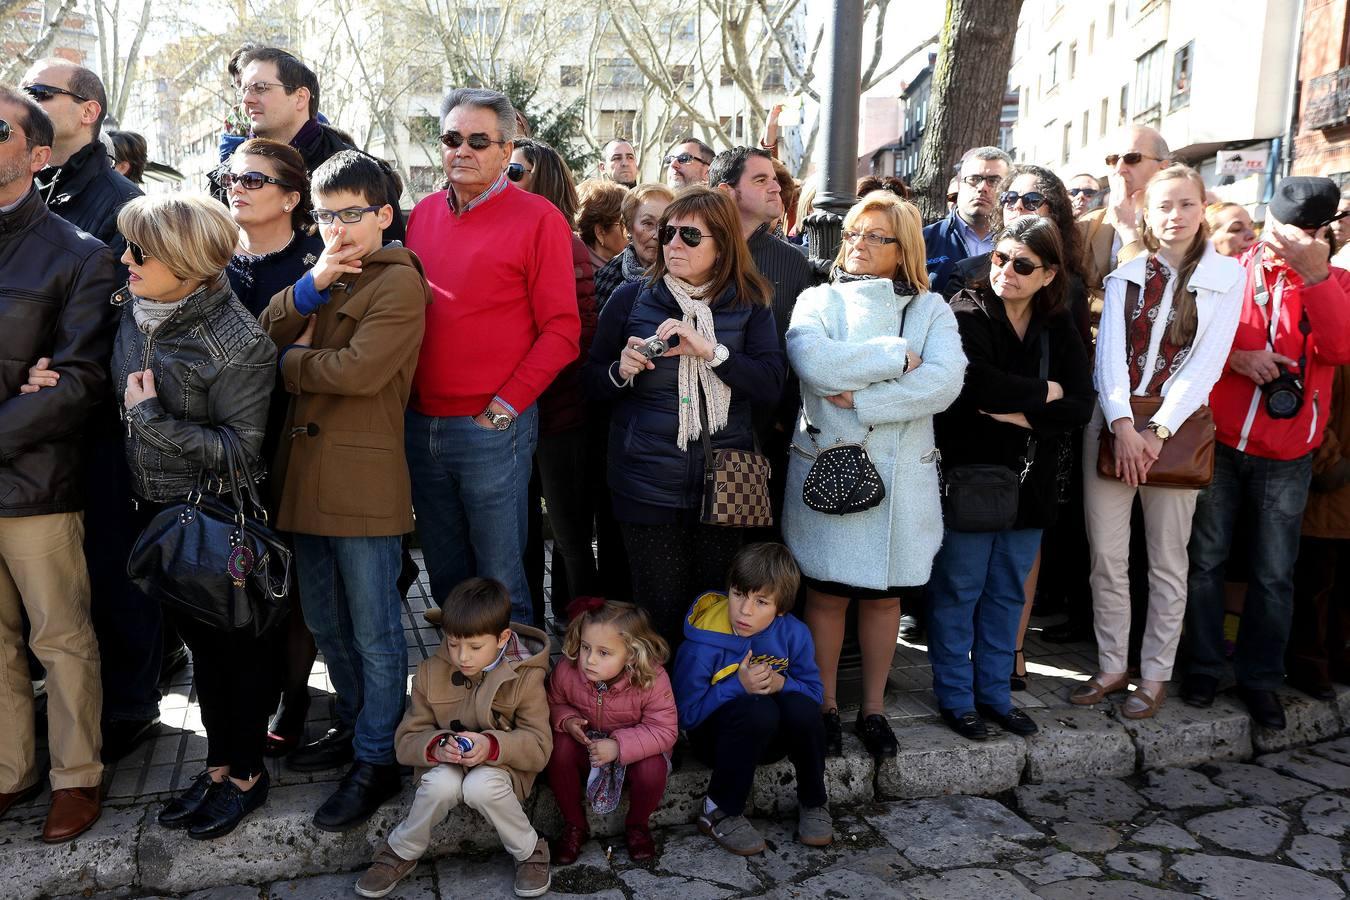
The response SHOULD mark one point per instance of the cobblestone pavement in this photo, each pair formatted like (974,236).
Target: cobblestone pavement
(1275,828)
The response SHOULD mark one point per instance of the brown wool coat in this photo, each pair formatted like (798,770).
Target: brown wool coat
(340,466)
(510,703)
(1096,237)
(1327,514)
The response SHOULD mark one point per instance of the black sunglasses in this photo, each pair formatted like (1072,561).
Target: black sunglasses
(515,171)
(1086,192)
(138,253)
(44,92)
(684,159)
(1031,201)
(5,131)
(251,181)
(1021,265)
(1130,159)
(690,235)
(476,141)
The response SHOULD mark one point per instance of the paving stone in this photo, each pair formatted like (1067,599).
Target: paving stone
(1231,878)
(97,860)
(650,884)
(1337,750)
(1181,735)
(786,859)
(692,856)
(1327,814)
(1057,867)
(1258,784)
(887,865)
(987,884)
(1146,864)
(1308,721)
(1085,837)
(419,885)
(1173,788)
(952,831)
(1082,889)
(1077,744)
(933,761)
(1308,766)
(233,892)
(1258,830)
(1107,800)
(849,779)
(835,884)
(1316,853)
(1166,835)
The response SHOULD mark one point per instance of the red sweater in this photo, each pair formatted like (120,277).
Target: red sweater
(503,318)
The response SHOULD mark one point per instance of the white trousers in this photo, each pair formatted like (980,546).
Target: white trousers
(484,788)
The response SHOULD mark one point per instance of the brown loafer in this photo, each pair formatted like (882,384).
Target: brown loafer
(20,796)
(1095,689)
(72,811)
(434,615)
(1141,704)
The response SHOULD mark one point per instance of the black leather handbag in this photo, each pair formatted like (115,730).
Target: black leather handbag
(213,557)
(842,478)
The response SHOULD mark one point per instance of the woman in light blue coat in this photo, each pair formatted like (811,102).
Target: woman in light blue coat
(878,355)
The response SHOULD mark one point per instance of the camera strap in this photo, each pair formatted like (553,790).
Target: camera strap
(1261,295)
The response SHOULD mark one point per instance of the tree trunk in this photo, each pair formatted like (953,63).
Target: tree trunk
(969,81)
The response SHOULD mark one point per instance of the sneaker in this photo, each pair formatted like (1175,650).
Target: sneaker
(532,875)
(815,828)
(385,872)
(734,833)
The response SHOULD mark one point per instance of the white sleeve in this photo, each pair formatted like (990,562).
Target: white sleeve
(1111,372)
(1191,385)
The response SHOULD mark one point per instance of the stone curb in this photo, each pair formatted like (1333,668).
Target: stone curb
(128,849)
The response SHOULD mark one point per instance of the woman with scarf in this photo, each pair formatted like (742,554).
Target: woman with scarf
(878,355)
(707,302)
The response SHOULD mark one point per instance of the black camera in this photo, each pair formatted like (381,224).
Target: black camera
(1284,395)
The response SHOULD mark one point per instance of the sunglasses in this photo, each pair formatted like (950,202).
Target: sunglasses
(476,141)
(1021,265)
(515,171)
(1130,159)
(1031,201)
(251,181)
(138,254)
(5,131)
(1086,192)
(351,215)
(44,92)
(684,159)
(690,235)
(871,237)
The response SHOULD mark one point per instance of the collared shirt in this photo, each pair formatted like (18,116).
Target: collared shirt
(975,245)
(497,187)
(17,203)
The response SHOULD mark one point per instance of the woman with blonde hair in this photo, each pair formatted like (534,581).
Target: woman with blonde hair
(641,216)
(1230,228)
(877,354)
(1167,326)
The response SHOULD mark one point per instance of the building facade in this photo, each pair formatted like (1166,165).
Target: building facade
(1322,143)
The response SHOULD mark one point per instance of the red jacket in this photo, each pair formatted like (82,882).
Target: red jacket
(560,407)
(1240,417)
(644,722)
(503,319)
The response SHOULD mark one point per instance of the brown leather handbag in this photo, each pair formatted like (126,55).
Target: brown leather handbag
(1187,457)
(735,483)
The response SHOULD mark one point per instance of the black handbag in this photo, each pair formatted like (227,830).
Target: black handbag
(842,478)
(215,561)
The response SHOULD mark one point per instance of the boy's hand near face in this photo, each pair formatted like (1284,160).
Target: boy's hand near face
(339,257)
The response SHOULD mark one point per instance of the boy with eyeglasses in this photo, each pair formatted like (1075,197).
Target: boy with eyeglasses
(348,334)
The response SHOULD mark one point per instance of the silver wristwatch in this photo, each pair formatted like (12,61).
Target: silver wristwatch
(720,354)
(499,421)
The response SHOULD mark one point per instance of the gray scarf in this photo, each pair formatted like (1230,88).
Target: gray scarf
(150,314)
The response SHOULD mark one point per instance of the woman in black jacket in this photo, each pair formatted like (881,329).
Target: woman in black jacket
(707,301)
(1028,381)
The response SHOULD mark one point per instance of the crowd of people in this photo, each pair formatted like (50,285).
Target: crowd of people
(1116,401)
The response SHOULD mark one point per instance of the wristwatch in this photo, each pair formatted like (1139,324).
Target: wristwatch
(1162,431)
(499,421)
(720,355)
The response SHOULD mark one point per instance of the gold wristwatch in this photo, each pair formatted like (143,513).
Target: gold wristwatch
(1162,431)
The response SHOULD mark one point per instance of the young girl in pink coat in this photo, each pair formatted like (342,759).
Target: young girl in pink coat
(612,710)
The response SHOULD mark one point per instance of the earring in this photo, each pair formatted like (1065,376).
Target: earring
(286,209)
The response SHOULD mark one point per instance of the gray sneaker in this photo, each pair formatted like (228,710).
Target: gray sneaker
(385,872)
(815,828)
(532,875)
(734,833)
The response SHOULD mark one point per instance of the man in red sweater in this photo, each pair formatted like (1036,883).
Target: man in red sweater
(1269,408)
(503,322)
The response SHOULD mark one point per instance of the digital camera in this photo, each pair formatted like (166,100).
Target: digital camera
(653,347)
(1284,395)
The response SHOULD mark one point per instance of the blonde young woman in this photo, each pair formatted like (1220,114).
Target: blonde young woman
(1166,328)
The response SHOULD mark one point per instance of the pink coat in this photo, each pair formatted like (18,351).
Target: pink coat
(644,722)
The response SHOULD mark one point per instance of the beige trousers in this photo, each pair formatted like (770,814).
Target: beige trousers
(1167,525)
(484,788)
(42,571)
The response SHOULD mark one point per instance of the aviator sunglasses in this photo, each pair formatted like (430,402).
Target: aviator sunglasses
(138,254)
(476,141)
(1021,265)
(691,236)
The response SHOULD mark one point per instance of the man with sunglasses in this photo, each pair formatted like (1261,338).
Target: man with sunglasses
(687,163)
(1084,189)
(57,283)
(968,230)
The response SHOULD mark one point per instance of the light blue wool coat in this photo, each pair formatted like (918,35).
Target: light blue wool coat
(845,337)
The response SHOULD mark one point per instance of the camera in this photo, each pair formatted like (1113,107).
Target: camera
(1284,395)
(652,347)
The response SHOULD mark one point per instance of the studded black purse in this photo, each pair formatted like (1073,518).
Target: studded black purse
(842,479)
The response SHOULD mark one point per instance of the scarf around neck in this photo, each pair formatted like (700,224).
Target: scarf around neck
(695,375)
(150,314)
(902,288)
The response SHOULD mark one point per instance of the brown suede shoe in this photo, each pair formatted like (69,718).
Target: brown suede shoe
(72,811)
(14,799)
(532,875)
(385,872)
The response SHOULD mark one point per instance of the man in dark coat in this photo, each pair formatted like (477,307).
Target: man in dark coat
(968,230)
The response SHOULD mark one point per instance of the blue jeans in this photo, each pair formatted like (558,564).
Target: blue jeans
(471,493)
(349,594)
(1273,492)
(975,600)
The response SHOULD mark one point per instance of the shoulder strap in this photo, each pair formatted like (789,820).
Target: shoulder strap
(1131,300)
(1030,456)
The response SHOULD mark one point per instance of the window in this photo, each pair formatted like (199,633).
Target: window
(682,76)
(1054,66)
(527,23)
(423,129)
(617,123)
(1073,59)
(773,74)
(425,179)
(1148,81)
(485,20)
(677,127)
(1083,137)
(1064,145)
(424,79)
(727,78)
(617,72)
(1111,20)
(1106,116)
(1092,37)
(569,76)
(1123,111)
(1181,76)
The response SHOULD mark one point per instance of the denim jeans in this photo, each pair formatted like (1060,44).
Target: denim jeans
(349,593)
(471,493)
(1273,492)
(975,600)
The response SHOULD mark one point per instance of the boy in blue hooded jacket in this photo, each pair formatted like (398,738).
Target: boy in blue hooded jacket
(749,692)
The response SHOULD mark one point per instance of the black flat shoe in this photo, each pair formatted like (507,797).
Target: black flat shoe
(1018,681)
(328,752)
(287,727)
(834,733)
(225,807)
(1069,633)
(364,789)
(969,725)
(876,735)
(180,810)
(911,629)
(1265,708)
(121,736)
(1198,690)
(1014,720)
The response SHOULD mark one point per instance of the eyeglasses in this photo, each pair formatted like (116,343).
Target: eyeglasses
(138,254)
(351,215)
(976,180)
(5,131)
(1031,201)
(1086,192)
(251,181)
(690,235)
(1130,159)
(44,92)
(476,141)
(684,159)
(1021,265)
(260,87)
(516,171)
(871,237)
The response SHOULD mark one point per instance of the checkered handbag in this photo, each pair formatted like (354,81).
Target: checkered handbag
(735,484)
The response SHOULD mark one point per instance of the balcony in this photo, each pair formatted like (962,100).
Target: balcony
(1328,103)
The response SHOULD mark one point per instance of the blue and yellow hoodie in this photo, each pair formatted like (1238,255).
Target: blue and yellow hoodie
(707,662)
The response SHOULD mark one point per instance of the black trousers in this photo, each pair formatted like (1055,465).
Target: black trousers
(756,729)
(235,688)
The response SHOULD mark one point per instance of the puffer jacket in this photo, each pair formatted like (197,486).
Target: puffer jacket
(213,365)
(54,286)
(88,193)
(642,720)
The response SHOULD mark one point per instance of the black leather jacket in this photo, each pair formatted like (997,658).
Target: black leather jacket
(54,287)
(213,365)
(88,193)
